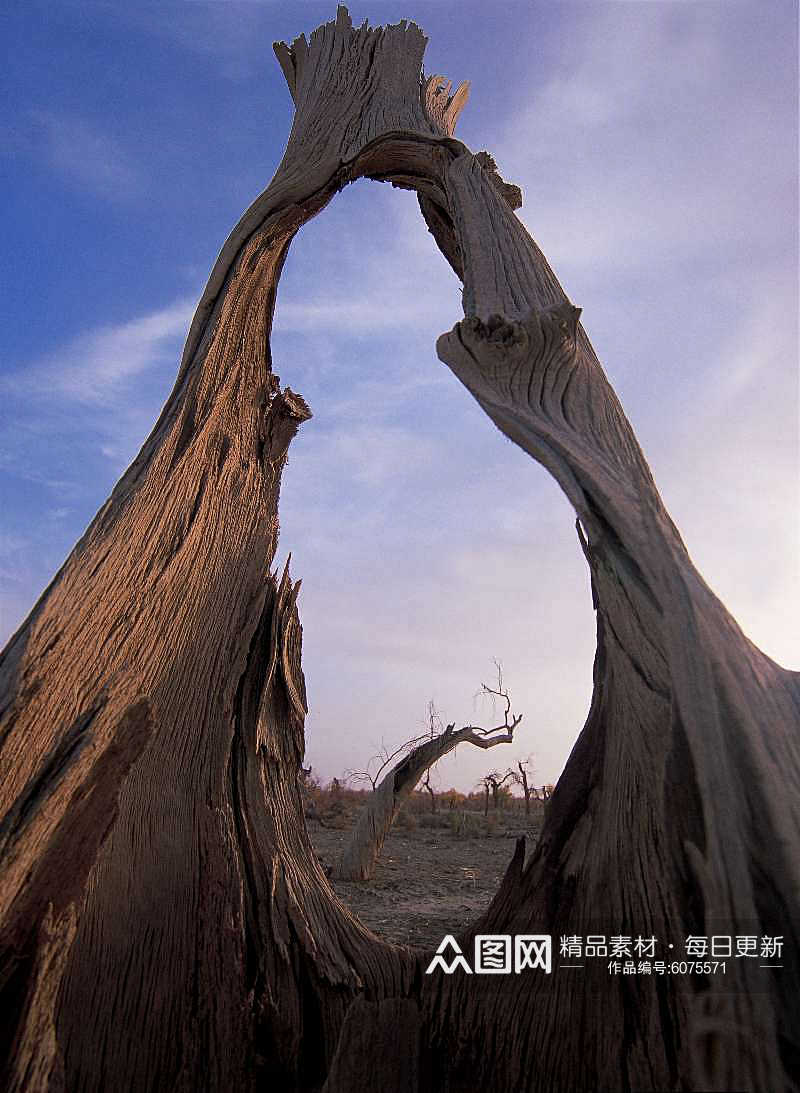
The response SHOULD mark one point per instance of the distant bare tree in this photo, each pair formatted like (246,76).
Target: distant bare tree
(495,782)
(486,783)
(521,776)
(491,784)
(418,756)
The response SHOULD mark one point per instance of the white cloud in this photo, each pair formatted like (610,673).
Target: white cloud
(232,33)
(85,154)
(385,635)
(731,475)
(374,455)
(655,143)
(371,311)
(97,366)
(77,417)
(18,575)
(365,266)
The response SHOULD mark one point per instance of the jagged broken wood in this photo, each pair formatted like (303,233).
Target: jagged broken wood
(164,922)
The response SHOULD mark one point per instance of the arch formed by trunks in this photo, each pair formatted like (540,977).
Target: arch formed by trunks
(163,920)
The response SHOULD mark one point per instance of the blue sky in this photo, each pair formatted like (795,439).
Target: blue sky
(656,145)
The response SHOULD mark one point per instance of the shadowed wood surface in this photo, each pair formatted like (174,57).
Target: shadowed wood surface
(163,920)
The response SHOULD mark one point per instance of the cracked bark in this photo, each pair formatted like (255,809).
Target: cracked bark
(163,921)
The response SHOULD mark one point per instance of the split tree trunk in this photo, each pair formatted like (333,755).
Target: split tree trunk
(163,920)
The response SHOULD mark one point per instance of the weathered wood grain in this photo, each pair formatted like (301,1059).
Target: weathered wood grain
(163,921)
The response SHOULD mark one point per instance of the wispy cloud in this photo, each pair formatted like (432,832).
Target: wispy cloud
(660,140)
(19,576)
(366,266)
(232,33)
(372,310)
(402,625)
(731,475)
(75,418)
(96,367)
(83,153)
(373,455)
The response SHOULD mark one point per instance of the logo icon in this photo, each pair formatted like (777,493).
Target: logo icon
(496,954)
(457,962)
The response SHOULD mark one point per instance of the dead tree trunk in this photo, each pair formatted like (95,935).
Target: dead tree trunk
(163,921)
(383,804)
(497,784)
(522,779)
(426,785)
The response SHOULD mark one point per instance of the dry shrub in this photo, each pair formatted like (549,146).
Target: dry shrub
(464,824)
(406,820)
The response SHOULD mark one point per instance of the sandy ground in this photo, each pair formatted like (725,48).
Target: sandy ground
(421,889)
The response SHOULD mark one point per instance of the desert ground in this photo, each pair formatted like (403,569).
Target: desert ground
(435,874)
